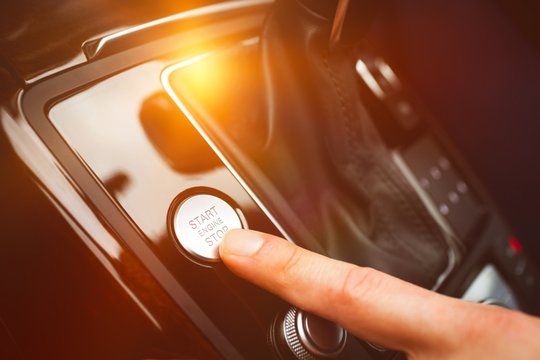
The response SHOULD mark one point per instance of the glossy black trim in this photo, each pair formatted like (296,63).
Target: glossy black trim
(36,102)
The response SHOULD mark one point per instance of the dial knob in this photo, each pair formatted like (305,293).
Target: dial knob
(308,337)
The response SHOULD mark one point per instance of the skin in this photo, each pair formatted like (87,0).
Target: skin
(378,307)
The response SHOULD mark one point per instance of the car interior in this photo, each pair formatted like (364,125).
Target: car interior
(399,136)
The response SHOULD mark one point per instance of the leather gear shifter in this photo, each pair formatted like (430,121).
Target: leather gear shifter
(374,218)
(287,116)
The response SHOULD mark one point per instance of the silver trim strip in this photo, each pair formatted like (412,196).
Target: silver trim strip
(387,72)
(165,76)
(198,12)
(339,21)
(363,69)
(450,236)
(367,76)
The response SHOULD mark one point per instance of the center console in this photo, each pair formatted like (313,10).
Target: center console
(150,133)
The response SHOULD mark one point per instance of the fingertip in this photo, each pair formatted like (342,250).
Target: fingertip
(240,243)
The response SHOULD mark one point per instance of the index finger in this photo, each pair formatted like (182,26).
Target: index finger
(370,304)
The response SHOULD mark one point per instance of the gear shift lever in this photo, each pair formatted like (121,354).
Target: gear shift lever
(372,215)
(349,19)
(292,124)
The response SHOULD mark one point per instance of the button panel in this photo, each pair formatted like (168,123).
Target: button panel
(444,184)
(199,223)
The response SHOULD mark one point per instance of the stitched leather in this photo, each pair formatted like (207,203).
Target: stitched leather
(374,218)
(291,122)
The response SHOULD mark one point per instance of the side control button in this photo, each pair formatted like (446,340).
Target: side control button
(303,336)
(199,223)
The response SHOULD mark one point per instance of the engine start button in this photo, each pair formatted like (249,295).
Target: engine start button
(200,222)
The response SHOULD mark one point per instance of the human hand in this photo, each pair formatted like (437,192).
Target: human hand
(378,307)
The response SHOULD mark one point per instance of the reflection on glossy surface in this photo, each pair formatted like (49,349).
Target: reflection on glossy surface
(68,296)
(36,36)
(44,167)
(180,146)
(104,124)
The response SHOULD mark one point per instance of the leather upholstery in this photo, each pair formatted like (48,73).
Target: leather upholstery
(289,118)
(361,208)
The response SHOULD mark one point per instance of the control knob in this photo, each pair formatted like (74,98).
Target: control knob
(304,336)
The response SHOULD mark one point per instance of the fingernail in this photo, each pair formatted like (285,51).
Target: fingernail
(241,243)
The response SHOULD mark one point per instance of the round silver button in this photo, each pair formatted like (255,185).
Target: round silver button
(200,222)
